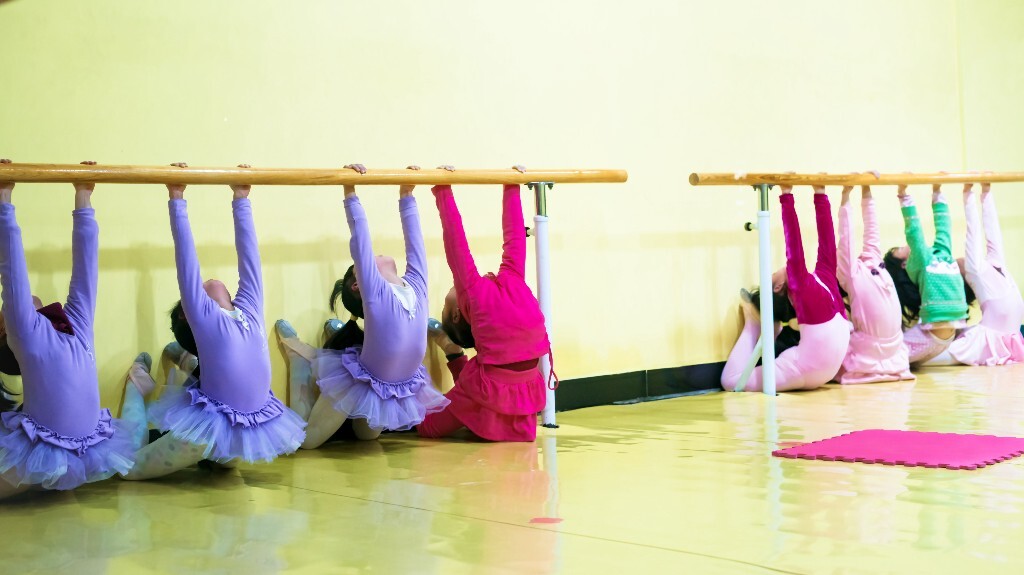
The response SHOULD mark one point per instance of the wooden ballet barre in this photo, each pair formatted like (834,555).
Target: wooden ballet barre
(100,174)
(741,179)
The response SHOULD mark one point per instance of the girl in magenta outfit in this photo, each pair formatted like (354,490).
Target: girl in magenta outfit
(877,352)
(498,392)
(996,340)
(380,383)
(824,331)
(60,438)
(230,413)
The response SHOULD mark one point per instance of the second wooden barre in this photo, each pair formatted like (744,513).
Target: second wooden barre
(741,179)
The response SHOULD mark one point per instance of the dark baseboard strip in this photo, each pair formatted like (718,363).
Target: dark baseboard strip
(637,386)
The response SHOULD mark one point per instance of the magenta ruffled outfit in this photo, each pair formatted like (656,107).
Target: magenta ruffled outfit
(499,391)
(61,438)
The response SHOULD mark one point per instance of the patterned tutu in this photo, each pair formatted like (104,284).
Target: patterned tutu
(982,345)
(262,435)
(40,456)
(353,390)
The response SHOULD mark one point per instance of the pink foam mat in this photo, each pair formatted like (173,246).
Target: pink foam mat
(910,448)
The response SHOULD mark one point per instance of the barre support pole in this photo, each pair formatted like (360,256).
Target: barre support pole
(100,174)
(764,250)
(540,223)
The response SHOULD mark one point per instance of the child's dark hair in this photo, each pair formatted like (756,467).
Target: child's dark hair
(460,332)
(782,308)
(343,289)
(350,334)
(6,404)
(906,290)
(181,330)
(969,293)
(8,363)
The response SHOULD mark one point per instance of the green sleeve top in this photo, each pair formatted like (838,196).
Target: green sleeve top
(933,268)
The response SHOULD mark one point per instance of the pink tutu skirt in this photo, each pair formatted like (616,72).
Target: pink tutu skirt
(40,456)
(353,390)
(262,435)
(981,345)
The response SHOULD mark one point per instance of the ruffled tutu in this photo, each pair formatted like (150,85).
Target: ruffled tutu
(353,390)
(498,404)
(981,345)
(262,435)
(40,456)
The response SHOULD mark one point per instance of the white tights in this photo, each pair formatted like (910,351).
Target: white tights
(323,419)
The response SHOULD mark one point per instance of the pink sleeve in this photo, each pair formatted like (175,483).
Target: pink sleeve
(513,256)
(973,256)
(456,366)
(844,269)
(872,238)
(993,234)
(456,248)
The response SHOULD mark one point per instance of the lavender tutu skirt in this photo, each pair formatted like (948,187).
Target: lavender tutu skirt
(40,456)
(353,390)
(190,415)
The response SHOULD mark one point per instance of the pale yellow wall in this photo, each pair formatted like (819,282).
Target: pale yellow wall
(645,273)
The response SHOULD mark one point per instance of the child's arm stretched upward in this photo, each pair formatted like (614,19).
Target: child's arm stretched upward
(456,248)
(513,255)
(250,270)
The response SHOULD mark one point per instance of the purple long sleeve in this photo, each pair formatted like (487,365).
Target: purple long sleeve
(61,388)
(194,300)
(250,269)
(81,302)
(395,340)
(415,252)
(371,284)
(233,353)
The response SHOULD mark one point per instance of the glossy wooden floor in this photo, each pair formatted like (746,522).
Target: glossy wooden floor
(678,486)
